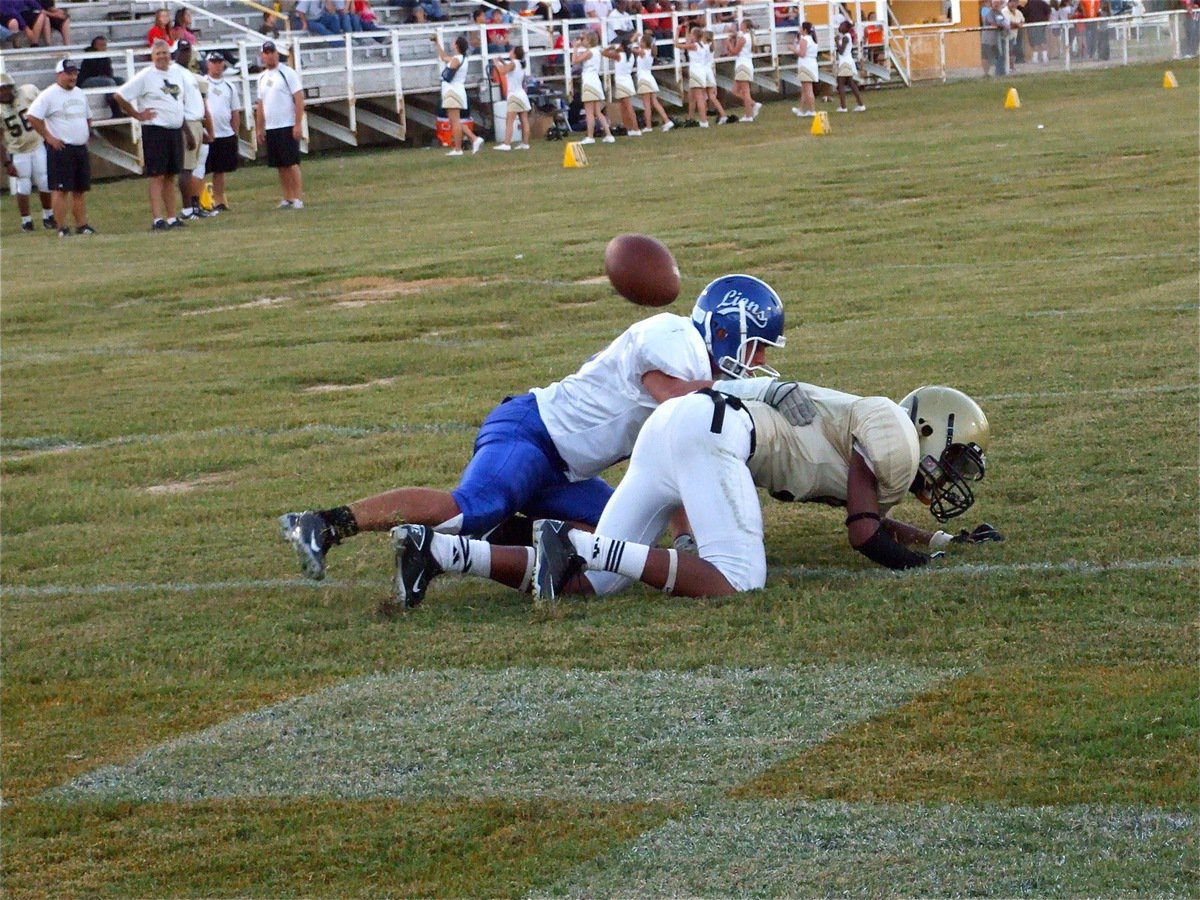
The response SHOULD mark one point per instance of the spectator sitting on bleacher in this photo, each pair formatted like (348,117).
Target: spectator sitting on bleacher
(60,20)
(161,29)
(478,30)
(26,17)
(97,71)
(270,25)
(181,30)
(621,25)
(497,33)
(316,19)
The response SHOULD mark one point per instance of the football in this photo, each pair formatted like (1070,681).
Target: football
(642,270)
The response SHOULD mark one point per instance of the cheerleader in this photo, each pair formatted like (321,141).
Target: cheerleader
(741,46)
(806,65)
(518,101)
(622,85)
(587,56)
(647,85)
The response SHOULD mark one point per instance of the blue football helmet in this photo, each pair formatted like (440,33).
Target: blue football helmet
(735,315)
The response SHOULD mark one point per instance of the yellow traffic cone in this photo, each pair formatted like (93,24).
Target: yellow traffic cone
(1012,100)
(820,124)
(573,156)
(1169,80)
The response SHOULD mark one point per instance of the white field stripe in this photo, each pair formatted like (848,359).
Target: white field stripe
(519,732)
(968,570)
(26,448)
(1106,392)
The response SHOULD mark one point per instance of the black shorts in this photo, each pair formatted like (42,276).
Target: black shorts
(283,150)
(162,149)
(222,155)
(69,169)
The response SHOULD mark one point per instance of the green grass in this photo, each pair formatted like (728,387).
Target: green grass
(1021,721)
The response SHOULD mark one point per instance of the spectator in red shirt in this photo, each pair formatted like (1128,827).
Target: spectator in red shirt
(161,29)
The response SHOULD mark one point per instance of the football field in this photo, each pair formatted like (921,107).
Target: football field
(183,715)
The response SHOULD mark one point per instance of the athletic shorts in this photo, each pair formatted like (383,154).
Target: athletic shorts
(162,149)
(283,150)
(686,457)
(69,169)
(223,155)
(191,155)
(516,468)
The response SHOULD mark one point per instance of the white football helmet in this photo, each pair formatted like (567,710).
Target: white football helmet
(952,432)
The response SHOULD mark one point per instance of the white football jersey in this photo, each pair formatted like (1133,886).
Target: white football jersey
(812,462)
(594,416)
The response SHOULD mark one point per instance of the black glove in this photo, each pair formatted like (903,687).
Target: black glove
(981,534)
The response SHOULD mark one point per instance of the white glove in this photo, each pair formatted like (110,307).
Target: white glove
(940,540)
(786,397)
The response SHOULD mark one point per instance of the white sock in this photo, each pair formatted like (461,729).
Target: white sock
(47,214)
(609,555)
(25,220)
(528,578)
(460,554)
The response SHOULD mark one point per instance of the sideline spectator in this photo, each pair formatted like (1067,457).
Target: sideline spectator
(181,29)
(1090,10)
(60,20)
(161,29)
(316,19)
(518,105)
(1016,22)
(279,115)
(154,96)
(846,67)
(1191,42)
(23,152)
(993,38)
(197,134)
(806,65)
(60,115)
(225,110)
(97,71)
(1037,18)
(647,85)
(620,23)
(29,19)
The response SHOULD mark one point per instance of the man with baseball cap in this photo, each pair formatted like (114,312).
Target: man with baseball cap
(197,134)
(279,116)
(225,108)
(23,152)
(60,115)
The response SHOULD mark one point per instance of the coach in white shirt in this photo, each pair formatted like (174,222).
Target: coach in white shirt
(60,116)
(154,96)
(278,114)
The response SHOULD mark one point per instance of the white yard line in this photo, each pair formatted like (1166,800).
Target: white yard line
(970,570)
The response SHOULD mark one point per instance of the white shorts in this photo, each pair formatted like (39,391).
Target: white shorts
(647,84)
(679,461)
(622,88)
(592,89)
(454,96)
(518,102)
(743,72)
(31,171)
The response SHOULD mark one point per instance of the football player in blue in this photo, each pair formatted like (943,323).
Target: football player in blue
(540,453)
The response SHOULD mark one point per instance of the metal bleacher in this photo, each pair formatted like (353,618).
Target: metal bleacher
(370,87)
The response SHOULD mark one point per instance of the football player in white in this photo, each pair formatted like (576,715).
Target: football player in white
(540,453)
(24,152)
(706,452)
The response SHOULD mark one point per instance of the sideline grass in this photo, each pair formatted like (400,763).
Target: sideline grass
(166,396)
